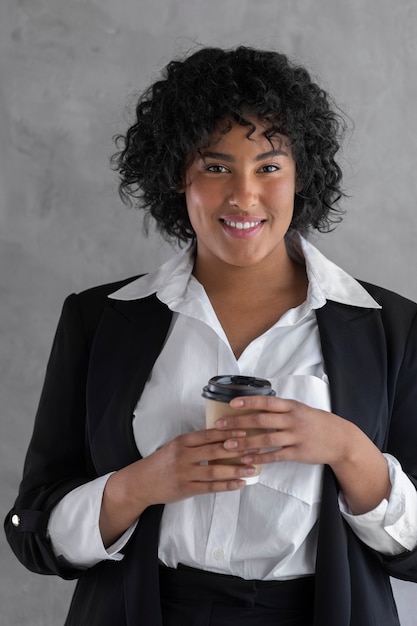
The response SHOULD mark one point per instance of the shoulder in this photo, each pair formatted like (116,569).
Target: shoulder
(398,314)
(96,298)
(100,292)
(85,309)
(389,300)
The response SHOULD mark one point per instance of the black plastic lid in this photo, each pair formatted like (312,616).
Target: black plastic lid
(225,388)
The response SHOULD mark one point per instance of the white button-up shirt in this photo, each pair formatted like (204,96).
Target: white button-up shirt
(267,530)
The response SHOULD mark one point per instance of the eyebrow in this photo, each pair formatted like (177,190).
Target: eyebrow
(221,156)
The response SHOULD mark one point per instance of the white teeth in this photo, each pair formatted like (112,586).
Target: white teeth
(241,225)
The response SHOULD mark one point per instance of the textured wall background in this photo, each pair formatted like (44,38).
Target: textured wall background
(68,69)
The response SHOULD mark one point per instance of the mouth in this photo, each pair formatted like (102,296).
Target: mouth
(240,227)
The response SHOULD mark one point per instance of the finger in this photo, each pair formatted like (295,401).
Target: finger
(208,436)
(222,472)
(261,441)
(215,486)
(260,420)
(216,451)
(263,403)
(287,453)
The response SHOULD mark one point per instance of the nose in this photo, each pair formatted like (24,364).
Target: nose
(243,192)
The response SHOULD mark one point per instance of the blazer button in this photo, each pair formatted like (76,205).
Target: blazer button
(16,520)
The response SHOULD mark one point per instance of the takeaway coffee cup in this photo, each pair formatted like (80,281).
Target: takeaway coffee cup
(219,391)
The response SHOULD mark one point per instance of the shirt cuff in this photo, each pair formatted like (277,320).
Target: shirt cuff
(74,531)
(390,528)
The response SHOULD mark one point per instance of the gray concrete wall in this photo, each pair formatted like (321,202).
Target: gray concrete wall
(67,70)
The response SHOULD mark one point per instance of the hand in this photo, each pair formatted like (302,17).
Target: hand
(176,471)
(179,469)
(295,431)
(301,433)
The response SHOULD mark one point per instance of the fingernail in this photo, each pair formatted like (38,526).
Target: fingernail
(230,444)
(221,423)
(247,459)
(237,402)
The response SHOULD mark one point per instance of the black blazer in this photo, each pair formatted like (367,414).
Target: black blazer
(102,355)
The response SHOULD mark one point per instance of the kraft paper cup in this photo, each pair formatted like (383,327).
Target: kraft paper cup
(218,393)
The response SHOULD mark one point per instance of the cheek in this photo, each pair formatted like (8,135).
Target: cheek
(281,195)
(201,199)
(195,208)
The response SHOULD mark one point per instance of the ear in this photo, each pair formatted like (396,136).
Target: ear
(298,185)
(182,187)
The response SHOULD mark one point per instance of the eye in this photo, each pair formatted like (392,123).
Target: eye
(267,169)
(217,169)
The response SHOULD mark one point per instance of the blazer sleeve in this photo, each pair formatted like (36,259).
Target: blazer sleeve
(57,460)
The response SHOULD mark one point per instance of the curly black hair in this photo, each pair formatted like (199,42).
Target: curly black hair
(177,114)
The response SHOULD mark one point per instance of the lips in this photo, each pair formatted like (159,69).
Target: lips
(242,227)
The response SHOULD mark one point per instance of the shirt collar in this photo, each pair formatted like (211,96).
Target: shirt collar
(326,280)
(169,281)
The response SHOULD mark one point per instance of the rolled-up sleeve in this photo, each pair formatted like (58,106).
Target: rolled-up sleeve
(74,531)
(390,528)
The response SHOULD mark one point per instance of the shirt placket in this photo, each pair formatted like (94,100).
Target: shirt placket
(222,530)
(226,505)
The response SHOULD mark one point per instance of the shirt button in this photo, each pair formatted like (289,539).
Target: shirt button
(16,520)
(218,555)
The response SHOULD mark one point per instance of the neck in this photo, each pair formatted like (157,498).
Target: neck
(261,281)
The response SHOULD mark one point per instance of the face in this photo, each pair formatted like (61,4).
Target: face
(240,197)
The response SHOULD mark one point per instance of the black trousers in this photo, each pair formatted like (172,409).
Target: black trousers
(192,597)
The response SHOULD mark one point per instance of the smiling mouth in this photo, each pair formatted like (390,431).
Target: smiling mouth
(242,225)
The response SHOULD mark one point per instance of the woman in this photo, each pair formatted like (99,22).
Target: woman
(233,152)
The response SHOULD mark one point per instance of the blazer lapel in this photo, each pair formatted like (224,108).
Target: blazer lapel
(354,352)
(128,341)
